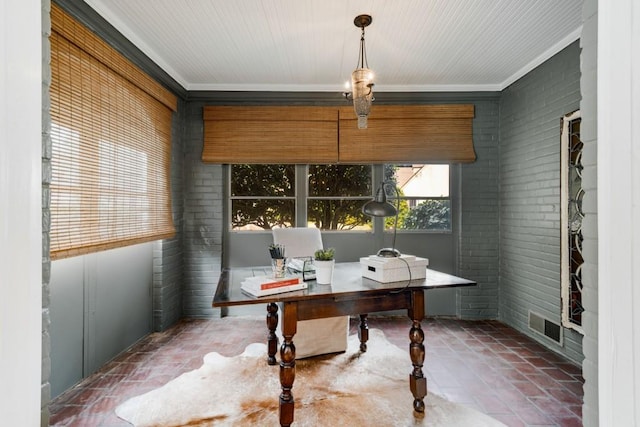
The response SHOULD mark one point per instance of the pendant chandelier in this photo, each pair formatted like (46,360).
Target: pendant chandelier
(362,78)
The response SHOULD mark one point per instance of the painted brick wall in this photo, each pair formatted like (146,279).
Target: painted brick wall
(168,265)
(479,241)
(530,113)
(202,222)
(588,87)
(45,395)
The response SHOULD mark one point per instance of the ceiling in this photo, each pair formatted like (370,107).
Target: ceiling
(312,45)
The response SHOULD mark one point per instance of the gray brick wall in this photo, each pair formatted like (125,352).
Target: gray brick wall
(530,113)
(479,242)
(45,396)
(588,86)
(203,223)
(168,261)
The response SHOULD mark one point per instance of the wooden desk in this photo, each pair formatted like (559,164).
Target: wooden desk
(348,294)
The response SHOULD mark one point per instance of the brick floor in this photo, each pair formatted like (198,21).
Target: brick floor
(485,365)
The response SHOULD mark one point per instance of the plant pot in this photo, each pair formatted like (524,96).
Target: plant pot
(324,271)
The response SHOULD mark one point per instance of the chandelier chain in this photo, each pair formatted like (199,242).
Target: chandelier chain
(362,54)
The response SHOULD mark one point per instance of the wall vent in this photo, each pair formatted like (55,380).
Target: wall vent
(545,327)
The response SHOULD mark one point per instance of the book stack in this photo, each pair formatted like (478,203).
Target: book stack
(260,286)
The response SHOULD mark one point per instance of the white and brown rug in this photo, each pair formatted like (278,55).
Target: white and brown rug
(348,389)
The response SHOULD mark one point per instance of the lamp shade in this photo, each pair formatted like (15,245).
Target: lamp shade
(362,83)
(379,206)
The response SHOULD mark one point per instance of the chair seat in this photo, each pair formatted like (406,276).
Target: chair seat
(319,336)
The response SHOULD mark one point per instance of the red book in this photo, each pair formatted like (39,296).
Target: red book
(265,282)
(279,283)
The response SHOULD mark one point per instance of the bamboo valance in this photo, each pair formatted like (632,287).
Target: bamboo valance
(415,133)
(263,135)
(321,135)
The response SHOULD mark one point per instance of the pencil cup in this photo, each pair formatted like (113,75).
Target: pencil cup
(279,266)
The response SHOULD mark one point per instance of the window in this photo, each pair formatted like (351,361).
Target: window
(262,196)
(330,197)
(571,219)
(111,146)
(266,196)
(425,203)
(336,196)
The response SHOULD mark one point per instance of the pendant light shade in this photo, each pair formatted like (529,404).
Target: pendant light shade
(362,78)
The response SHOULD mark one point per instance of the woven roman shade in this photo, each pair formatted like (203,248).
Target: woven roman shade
(263,135)
(409,133)
(329,135)
(111,146)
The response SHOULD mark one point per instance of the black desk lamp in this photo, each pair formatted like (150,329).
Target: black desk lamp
(379,207)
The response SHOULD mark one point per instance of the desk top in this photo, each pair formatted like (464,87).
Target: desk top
(347,281)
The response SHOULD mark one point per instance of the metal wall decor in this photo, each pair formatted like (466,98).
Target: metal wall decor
(572,216)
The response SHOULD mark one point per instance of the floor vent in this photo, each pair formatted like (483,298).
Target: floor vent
(545,327)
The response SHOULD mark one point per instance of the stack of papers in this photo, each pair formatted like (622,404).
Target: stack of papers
(303,265)
(300,264)
(266,285)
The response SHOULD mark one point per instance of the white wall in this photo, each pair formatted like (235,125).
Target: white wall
(619,212)
(20,212)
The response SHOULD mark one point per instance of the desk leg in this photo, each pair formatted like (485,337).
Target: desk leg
(272,338)
(288,362)
(417,381)
(363,332)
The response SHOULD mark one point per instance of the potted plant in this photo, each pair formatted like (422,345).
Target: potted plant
(323,261)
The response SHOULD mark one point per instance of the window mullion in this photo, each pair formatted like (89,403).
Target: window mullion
(378,222)
(302,193)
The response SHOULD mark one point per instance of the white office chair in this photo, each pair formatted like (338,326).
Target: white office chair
(317,336)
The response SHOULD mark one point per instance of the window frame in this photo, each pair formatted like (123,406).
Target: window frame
(302,198)
(571,241)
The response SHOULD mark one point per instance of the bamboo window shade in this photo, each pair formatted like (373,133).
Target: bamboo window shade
(111,146)
(321,135)
(409,133)
(263,135)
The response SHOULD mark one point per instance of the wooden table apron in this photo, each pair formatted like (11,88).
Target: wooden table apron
(349,293)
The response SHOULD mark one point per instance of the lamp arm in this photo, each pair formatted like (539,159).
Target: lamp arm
(395,225)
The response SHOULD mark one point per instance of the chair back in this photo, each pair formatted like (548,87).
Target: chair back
(298,241)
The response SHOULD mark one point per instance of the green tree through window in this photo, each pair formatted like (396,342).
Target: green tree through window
(429,215)
(262,196)
(336,196)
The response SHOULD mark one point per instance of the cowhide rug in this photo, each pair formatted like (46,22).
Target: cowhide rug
(347,389)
